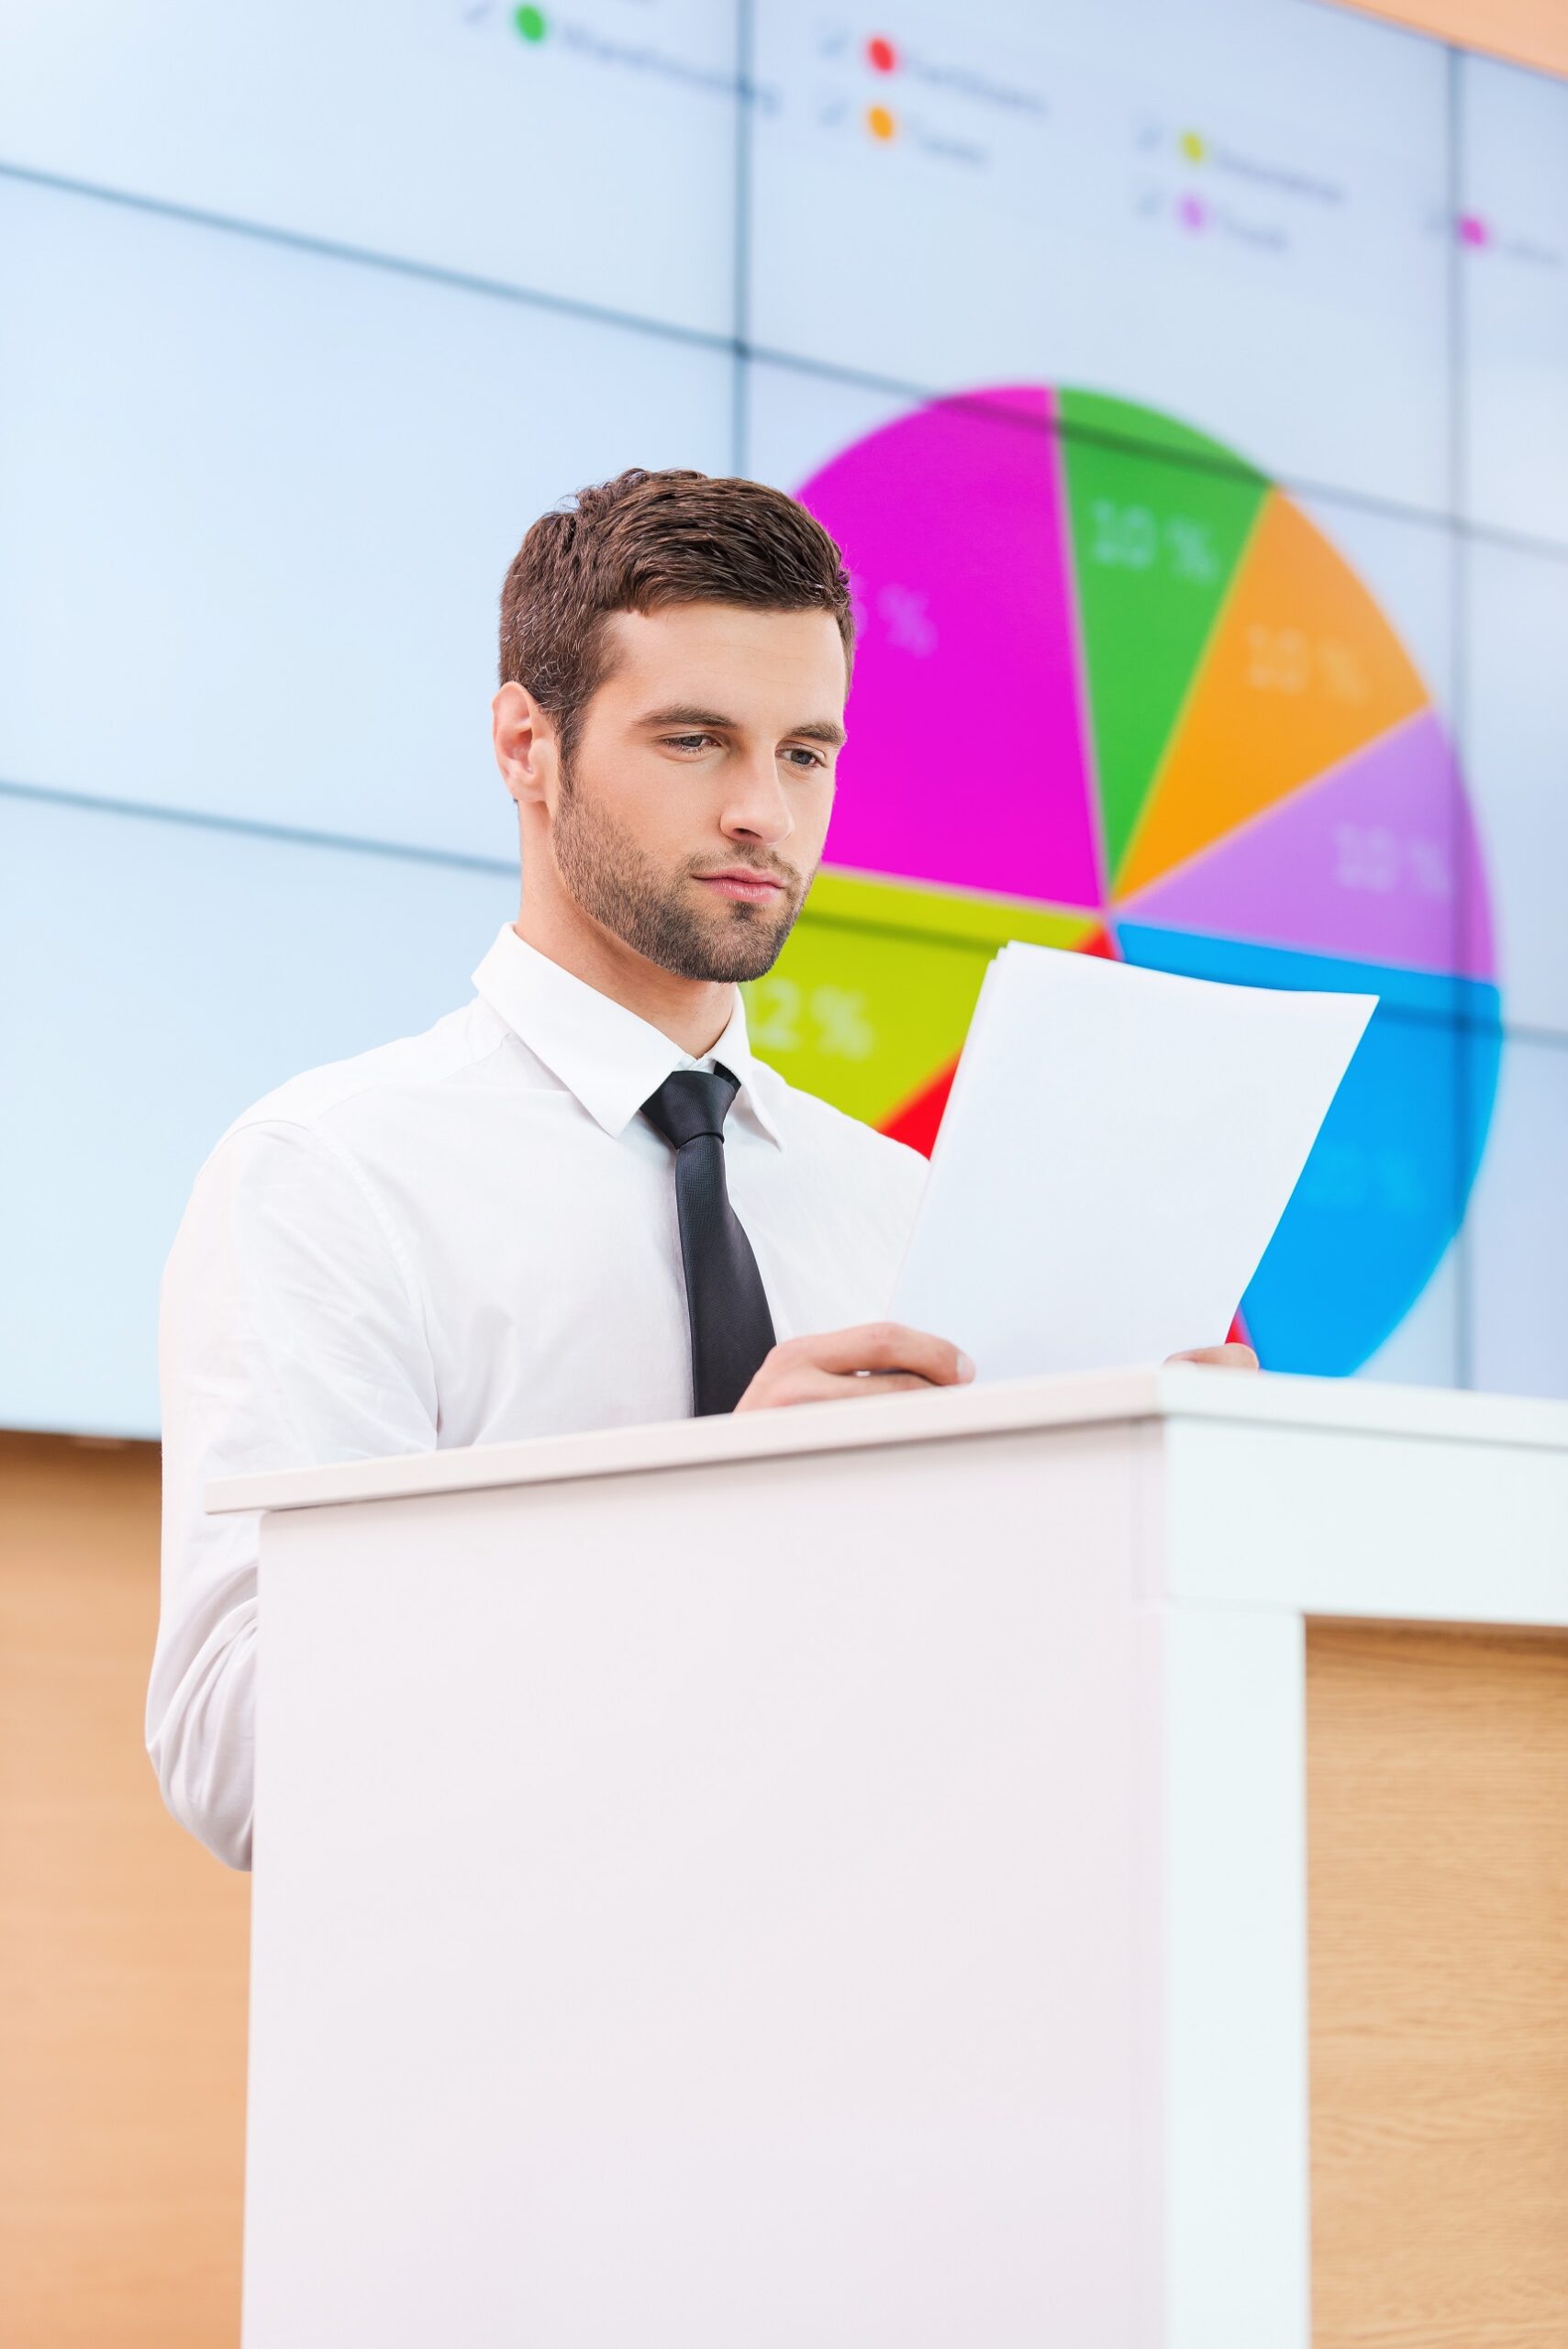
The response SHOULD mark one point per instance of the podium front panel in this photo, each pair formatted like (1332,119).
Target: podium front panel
(713,1906)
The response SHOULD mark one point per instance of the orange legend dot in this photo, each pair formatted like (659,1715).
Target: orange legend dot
(880,123)
(881,54)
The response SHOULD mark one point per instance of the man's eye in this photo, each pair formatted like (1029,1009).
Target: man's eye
(687,742)
(811,758)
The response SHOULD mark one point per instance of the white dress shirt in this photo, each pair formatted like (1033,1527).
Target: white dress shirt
(462,1238)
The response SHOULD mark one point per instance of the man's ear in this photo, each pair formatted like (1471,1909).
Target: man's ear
(524,737)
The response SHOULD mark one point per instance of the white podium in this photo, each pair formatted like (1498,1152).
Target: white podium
(832,1879)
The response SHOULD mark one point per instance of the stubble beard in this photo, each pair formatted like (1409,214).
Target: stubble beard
(612,880)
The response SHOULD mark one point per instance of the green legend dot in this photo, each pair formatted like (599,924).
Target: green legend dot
(532,23)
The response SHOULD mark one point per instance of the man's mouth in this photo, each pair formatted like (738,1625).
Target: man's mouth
(744,886)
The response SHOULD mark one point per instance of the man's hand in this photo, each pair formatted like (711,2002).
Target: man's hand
(876,1359)
(1225,1357)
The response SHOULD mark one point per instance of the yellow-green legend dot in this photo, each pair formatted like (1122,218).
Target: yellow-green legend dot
(532,23)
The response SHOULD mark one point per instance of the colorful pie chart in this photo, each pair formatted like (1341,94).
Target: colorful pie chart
(1117,693)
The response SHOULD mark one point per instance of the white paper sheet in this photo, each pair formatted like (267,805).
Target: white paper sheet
(1117,1151)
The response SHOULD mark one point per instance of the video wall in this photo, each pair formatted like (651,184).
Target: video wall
(1185,380)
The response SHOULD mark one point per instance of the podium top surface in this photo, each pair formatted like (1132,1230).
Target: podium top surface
(1102,1398)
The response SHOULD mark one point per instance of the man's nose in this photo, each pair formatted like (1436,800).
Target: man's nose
(757,807)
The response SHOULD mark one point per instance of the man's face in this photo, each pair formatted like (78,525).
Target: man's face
(691,815)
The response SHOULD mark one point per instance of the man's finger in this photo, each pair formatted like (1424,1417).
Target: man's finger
(1225,1357)
(886,1347)
(808,1385)
(879,1382)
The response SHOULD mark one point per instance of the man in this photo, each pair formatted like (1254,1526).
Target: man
(578,1201)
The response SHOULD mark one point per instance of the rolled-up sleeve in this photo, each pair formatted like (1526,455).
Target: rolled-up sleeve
(290,1333)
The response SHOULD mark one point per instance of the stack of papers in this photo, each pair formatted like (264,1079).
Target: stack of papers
(1117,1150)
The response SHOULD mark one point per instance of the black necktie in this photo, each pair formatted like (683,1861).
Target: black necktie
(732,1326)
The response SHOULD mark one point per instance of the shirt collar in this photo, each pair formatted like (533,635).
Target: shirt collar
(603,1053)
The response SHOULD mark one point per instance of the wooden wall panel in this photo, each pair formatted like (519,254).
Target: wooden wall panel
(1438,1824)
(123,1945)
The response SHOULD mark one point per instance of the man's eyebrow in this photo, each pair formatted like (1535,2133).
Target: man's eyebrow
(680,712)
(812,729)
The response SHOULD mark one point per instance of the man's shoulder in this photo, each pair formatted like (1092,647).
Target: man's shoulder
(340,1096)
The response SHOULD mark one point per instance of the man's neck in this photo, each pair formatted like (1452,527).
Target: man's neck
(693,1013)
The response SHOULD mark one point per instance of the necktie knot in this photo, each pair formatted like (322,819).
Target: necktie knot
(690,1103)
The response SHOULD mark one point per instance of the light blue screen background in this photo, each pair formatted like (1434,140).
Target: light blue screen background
(308,311)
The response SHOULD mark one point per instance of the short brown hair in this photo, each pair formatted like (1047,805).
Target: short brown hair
(640,543)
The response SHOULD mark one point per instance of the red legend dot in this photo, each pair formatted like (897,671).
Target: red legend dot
(881,53)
